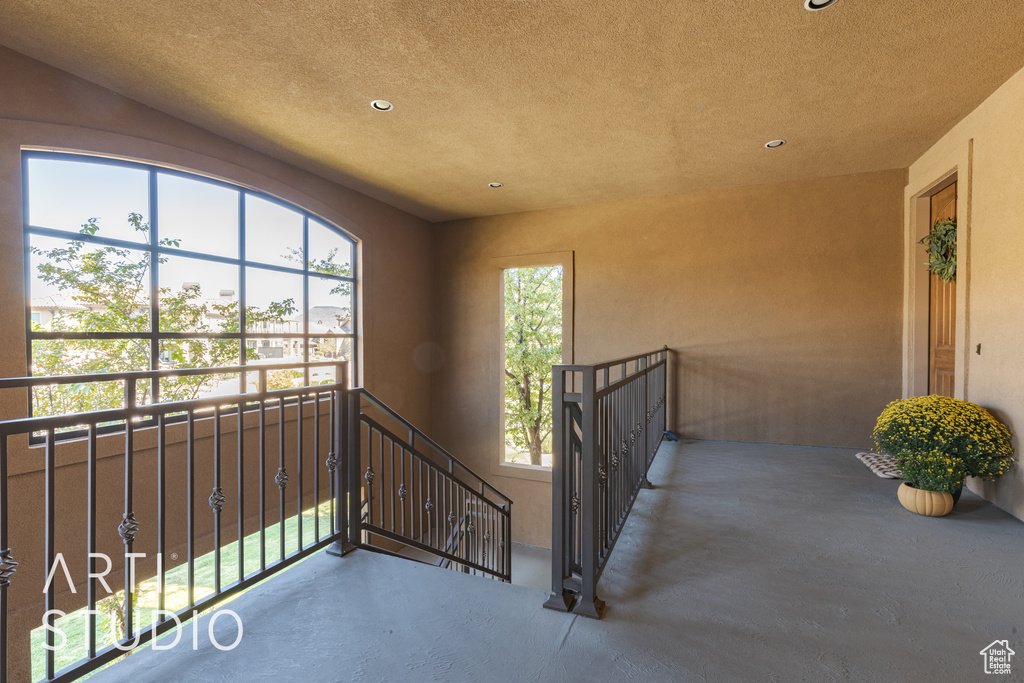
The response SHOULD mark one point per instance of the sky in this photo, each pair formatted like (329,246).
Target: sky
(203,216)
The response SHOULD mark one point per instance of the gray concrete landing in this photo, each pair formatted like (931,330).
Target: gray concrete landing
(746,563)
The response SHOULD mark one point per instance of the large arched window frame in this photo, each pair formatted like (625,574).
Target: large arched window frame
(316,276)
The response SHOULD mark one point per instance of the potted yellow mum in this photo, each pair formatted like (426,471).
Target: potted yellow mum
(939,441)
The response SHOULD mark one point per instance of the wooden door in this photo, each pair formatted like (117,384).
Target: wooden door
(942,310)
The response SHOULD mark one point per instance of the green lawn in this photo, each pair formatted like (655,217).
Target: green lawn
(75,624)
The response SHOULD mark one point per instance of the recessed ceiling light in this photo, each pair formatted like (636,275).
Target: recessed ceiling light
(774,143)
(493,184)
(382,105)
(815,5)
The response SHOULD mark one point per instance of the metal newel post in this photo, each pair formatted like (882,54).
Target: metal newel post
(344,521)
(560,599)
(353,454)
(664,391)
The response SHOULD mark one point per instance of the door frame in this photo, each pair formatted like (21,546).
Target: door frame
(917,214)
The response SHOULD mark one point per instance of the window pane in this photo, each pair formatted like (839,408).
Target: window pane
(277,351)
(273,233)
(197,295)
(80,357)
(329,252)
(67,194)
(330,306)
(273,302)
(533,343)
(200,216)
(198,353)
(329,348)
(76,285)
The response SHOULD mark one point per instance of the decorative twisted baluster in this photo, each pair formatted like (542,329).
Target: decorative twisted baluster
(429,506)
(7,567)
(128,528)
(369,476)
(282,478)
(217,498)
(331,462)
(452,518)
(403,492)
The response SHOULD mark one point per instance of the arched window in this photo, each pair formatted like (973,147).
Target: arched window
(131,266)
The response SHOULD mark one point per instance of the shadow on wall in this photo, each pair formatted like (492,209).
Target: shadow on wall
(722,393)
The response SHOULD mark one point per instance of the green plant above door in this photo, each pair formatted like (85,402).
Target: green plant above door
(941,245)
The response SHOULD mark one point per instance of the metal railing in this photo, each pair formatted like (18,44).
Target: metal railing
(238,486)
(243,420)
(420,497)
(609,420)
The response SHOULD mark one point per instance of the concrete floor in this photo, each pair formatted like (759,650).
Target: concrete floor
(746,563)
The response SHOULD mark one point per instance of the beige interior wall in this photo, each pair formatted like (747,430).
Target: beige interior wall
(781,305)
(42,107)
(986,149)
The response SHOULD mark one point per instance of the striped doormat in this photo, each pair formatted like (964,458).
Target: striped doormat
(883,465)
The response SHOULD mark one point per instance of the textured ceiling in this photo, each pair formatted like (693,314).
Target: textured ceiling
(564,101)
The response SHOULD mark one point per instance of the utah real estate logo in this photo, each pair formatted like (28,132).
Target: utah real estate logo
(997,657)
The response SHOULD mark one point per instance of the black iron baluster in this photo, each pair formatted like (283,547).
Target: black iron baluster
(369,476)
(128,527)
(336,505)
(421,502)
(216,498)
(50,486)
(161,502)
(316,467)
(391,486)
(403,492)
(240,490)
(7,564)
(298,469)
(190,466)
(263,467)
(90,535)
(282,475)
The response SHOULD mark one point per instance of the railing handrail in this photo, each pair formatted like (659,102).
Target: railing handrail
(581,367)
(45,380)
(38,423)
(363,392)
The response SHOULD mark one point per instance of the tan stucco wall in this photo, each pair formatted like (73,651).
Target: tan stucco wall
(986,149)
(781,304)
(45,108)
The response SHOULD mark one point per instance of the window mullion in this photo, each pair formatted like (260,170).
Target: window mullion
(243,339)
(154,285)
(305,294)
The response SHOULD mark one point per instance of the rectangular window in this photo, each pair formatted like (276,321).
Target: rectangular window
(532,344)
(137,267)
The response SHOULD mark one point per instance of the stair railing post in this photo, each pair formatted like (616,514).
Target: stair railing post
(342,492)
(353,450)
(561,599)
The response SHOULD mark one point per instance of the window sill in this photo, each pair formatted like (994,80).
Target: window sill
(517,471)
